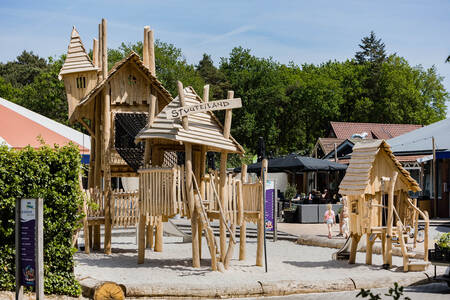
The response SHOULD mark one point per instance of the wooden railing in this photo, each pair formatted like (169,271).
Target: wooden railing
(125,208)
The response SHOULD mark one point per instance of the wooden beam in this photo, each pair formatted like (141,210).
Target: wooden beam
(390,219)
(243,229)
(193,211)
(95,53)
(184,119)
(98,144)
(206,93)
(87,127)
(100,55)
(228,115)
(151,53)
(260,237)
(223,196)
(145,57)
(104,50)
(106,111)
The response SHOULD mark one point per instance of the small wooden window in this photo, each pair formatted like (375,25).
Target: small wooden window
(81,82)
(132,80)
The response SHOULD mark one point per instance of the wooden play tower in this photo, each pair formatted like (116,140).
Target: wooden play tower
(376,186)
(138,130)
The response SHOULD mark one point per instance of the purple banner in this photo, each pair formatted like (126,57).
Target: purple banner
(27,241)
(270,198)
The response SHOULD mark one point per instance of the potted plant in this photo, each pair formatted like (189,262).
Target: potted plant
(441,251)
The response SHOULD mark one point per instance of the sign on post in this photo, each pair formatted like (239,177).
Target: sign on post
(269,218)
(203,107)
(29,246)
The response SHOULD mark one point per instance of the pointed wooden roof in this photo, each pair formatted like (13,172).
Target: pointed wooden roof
(77,59)
(204,128)
(357,177)
(133,57)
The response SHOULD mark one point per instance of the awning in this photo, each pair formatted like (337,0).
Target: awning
(295,163)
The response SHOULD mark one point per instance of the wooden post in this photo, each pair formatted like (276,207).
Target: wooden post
(95,53)
(335,153)
(354,248)
(390,220)
(86,232)
(228,115)
(104,50)
(261,225)
(243,229)
(151,53)
(194,213)
(197,174)
(145,56)
(223,197)
(159,237)
(141,237)
(149,239)
(184,119)
(369,248)
(98,144)
(100,50)
(151,118)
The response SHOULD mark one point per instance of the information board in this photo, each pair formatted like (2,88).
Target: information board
(269,217)
(27,241)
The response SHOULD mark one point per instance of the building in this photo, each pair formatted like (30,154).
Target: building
(428,150)
(21,127)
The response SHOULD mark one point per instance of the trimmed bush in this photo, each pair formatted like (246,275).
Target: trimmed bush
(51,174)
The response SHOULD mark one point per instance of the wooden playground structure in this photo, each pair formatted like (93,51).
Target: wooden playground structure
(138,130)
(376,186)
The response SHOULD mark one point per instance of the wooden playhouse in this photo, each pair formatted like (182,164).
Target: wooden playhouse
(125,110)
(376,188)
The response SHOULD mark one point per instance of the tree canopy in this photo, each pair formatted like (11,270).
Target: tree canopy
(289,105)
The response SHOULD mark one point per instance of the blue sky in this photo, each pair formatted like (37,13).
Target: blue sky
(299,31)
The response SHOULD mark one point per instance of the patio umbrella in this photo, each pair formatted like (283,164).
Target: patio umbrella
(295,163)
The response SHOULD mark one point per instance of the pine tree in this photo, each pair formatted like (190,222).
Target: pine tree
(373,50)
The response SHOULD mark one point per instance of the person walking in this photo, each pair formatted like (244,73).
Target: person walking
(329,218)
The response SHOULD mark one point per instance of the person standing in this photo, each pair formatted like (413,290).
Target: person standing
(329,218)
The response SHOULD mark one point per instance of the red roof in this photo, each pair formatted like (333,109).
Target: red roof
(20,127)
(345,130)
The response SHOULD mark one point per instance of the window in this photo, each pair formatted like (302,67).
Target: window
(132,80)
(81,82)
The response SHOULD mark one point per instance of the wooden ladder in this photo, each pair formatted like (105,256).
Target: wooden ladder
(409,265)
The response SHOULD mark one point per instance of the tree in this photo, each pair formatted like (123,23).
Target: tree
(372,50)
(23,70)
(213,76)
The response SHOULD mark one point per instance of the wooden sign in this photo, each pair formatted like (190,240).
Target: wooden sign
(203,107)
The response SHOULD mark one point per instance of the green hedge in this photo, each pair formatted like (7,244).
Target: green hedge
(51,174)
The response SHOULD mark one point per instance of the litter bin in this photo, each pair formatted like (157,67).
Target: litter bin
(307,213)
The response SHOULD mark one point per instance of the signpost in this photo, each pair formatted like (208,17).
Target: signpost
(269,218)
(29,247)
(203,107)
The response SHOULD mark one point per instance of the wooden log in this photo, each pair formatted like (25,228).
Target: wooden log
(104,50)
(98,145)
(145,56)
(184,119)
(86,226)
(91,163)
(243,224)
(149,240)
(100,74)
(223,197)
(390,219)
(91,236)
(95,59)
(199,233)
(151,53)
(159,238)
(141,238)
(193,211)
(109,291)
(260,237)
(369,248)
(106,163)
(228,115)
(230,249)
(96,245)
(354,248)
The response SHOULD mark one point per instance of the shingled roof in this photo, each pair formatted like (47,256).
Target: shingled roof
(77,59)
(204,128)
(345,130)
(357,177)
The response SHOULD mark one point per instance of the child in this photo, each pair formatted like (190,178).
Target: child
(345,228)
(329,218)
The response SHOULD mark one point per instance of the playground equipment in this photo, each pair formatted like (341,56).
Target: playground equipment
(376,186)
(138,130)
